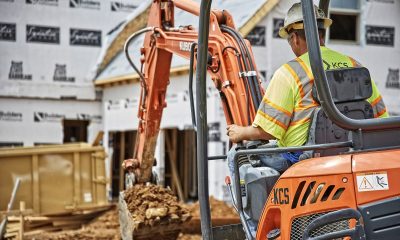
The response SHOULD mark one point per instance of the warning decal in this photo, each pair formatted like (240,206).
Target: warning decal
(372,181)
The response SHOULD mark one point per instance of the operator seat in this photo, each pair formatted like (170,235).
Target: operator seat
(350,89)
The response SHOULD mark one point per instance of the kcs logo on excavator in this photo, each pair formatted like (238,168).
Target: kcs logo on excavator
(281,196)
(185,46)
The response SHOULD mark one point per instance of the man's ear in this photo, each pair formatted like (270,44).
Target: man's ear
(296,39)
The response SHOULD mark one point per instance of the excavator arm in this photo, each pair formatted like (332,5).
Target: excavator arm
(230,65)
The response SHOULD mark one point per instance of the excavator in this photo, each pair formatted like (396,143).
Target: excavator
(230,64)
(348,186)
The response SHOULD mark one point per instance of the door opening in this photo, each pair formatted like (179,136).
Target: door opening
(75,130)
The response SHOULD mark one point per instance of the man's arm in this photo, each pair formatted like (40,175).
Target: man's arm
(274,113)
(238,133)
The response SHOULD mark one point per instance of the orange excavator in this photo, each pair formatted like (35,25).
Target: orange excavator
(347,187)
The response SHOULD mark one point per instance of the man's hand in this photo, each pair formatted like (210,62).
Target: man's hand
(235,133)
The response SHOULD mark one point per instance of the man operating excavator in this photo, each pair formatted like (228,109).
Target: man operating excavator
(285,112)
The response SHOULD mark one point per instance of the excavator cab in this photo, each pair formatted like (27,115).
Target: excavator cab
(350,88)
(347,185)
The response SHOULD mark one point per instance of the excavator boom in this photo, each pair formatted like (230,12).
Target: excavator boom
(230,65)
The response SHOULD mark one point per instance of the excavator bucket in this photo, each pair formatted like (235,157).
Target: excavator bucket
(129,232)
(151,212)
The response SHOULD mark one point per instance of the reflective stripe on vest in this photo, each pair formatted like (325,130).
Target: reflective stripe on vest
(354,62)
(302,115)
(274,119)
(304,81)
(275,113)
(379,107)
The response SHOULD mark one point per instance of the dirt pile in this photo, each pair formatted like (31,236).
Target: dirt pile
(108,223)
(218,209)
(153,205)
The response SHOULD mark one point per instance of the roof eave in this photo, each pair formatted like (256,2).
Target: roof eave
(132,78)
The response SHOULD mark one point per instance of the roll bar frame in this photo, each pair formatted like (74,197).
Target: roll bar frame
(201,119)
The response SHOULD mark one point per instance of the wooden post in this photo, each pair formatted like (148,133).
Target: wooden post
(21,219)
(193,162)
(186,163)
(97,140)
(77,179)
(121,159)
(95,184)
(171,145)
(35,180)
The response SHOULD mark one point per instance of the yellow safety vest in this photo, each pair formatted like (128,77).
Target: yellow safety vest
(287,105)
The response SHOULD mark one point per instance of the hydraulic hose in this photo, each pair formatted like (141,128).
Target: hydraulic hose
(238,56)
(233,34)
(191,99)
(251,63)
(254,95)
(252,68)
(126,48)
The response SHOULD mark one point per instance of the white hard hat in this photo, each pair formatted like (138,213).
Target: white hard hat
(294,20)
